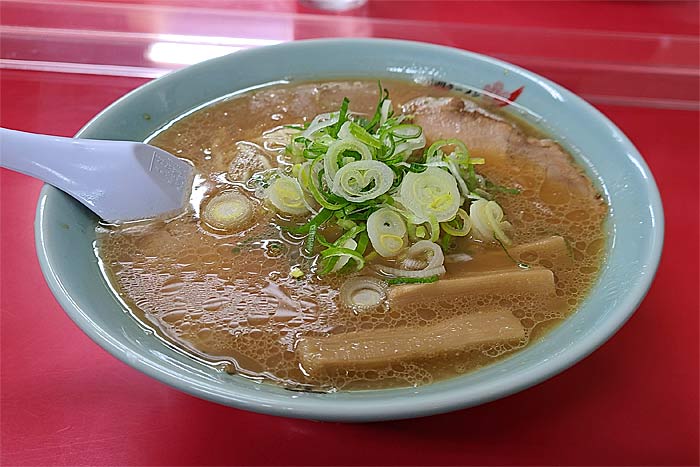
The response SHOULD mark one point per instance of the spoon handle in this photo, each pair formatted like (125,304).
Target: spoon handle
(61,162)
(118,180)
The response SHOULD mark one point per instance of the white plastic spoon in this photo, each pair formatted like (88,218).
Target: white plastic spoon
(119,181)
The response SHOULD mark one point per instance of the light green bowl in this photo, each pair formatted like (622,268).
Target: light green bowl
(634,246)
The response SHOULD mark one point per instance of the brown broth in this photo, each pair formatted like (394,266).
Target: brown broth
(230,298)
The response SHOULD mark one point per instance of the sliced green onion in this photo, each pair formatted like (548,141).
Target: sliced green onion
(460,149)
(316,191)
(286,195)
(472,182)
(389,145)
(487,218)
(421,252)
(229,211)
(362,293)
(407,131)
(360,216)
(458,231)
(483,194)
(434,228)
(303,174)
(413,167)
(346,224)
(433,192)
(362,242)
(310,242)
(376,118)
(454,170)
(517,263)
(362,180)
(320,122)
(371,256)
(337,262)
(327,265)
(349,244)
(412,280)
(405,148)
(352,130)
(350,234)
(410,218)
(336,150)
(446,242)
(339,251)
(430,250)
(322,240)
(342,117)
(350,208)
(385,111)
(313,153)
(499,188)
(317,221)
(386,230)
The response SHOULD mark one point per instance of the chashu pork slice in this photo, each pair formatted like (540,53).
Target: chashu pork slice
(487,135)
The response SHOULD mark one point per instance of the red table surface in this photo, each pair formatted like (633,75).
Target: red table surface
(64,401)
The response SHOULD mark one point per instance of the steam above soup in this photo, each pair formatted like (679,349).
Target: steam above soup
(343,236)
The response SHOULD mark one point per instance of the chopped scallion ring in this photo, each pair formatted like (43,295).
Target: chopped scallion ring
(336,153)
(286,195)
(386,230)
(458,231)
(340,251)
(362,180)
(433,192)
(487,218)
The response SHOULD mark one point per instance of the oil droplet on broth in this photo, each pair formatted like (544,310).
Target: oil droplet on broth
(214,303)
(172,286)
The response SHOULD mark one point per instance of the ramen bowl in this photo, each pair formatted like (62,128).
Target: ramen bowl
(634,225)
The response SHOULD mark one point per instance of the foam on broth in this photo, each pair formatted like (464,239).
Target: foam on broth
(230,298)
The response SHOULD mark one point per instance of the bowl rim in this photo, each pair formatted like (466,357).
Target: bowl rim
(382,408)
